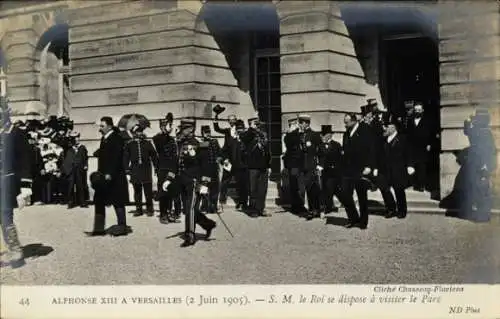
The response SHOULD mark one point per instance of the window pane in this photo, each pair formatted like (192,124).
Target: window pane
(276,148)
(262,65)
(275,114)
(263,98)
(275,98)
(263,82)
(264,114)
(274,64)
(275,81)
(275,130)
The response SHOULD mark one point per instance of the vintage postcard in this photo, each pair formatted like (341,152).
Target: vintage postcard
(250,159)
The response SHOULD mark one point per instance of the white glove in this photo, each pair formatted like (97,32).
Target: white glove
(165,185)
(319,168)
(367,171)
(375,172)
(24,197)
(410,170)
(203,190)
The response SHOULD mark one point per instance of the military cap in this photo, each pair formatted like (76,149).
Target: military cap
(326,129)
(74,134)
(47,131)
(136,129)
(253,119)
(187,123)
(240,124)
(205,129)
(292,120)
(304,118)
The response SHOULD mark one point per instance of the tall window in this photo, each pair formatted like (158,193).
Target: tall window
(268,98)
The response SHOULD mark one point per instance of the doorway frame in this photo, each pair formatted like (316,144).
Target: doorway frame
(262,53)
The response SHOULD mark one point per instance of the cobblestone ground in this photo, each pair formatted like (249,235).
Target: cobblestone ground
(282,249)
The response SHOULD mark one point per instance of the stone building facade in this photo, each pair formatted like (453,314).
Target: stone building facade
(277,58)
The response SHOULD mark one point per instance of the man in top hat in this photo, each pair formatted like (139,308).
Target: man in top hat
(259,166)
(168,159)
(359,161)
(292,161)
(112,171)
(75,166)
(15,182)
(420,137)
(210,153)
(330,162)
(310,144)
(193,182)
(394,169)
(139,157)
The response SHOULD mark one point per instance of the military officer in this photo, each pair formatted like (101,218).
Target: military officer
(210,152)
(15,181)
(310,144)
(138,157)
(168,159)
(193,180)
(292,161)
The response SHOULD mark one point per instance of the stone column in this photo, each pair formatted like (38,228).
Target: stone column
(469,76)
(320,73)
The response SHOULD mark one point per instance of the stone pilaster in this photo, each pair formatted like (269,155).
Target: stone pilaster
(320,73)
(469,76)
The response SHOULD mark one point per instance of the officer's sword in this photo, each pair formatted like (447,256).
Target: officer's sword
(222,209)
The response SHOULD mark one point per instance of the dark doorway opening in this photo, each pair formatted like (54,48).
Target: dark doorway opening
(412,74)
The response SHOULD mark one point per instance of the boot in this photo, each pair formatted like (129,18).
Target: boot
(189,239)
(15,250)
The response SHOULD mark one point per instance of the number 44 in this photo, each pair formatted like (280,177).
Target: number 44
(24,302)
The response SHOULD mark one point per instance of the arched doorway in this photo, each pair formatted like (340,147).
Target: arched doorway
(52,50)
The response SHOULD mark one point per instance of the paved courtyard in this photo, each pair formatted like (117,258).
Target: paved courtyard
(283,249)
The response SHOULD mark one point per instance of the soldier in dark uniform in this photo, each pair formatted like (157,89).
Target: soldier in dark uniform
(138,158)
(293,160)
(358,162)
(168,160)
(15,183)
(330,163)
(211,156)
(310,144)
(193,181)
(394,169)
(259,166)
(75,168)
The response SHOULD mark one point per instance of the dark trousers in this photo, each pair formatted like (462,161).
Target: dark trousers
(420,176)
(191,202)
(349,184)
(37,188)
(225,180)
(331,187)
(170,199)
(148,192)
(297,190)
(76,187)
(310,182)
(242,185)
(390,204)
(258,189)
(100,216)
(213,194)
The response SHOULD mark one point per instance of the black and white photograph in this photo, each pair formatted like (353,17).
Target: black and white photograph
(187,142)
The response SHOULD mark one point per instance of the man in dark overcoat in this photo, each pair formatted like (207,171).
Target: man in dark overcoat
(330,163)
(358,162)
(75,168)
(292,160)
(168,160)
(110,167)
(193,183)
(310,145)
(395,168)
(139,157)
(420,136)
(259,166)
